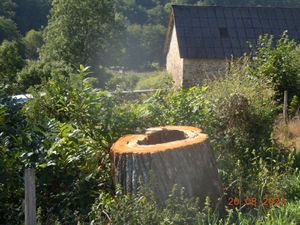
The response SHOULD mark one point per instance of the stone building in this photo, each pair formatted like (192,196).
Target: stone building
(200,39)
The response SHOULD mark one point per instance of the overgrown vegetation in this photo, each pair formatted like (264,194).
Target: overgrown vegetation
(66,129)
(131,33)
(131,80)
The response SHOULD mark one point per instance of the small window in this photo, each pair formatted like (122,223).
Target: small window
(223,32)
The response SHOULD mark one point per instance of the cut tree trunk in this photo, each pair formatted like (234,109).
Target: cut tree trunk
(166,156)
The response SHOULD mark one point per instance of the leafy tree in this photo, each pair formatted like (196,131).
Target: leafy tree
(37,71)
(33,41)
(277,64)
(80,32)
(144,44)
(8,30)
(73,120)
(11,62)
(31,14)
(7,8)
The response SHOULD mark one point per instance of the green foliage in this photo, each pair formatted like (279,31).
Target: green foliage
(183,107)
(143,209)
(7,8)
(80,32)
(277,64)
(34,72)
(294,105)
(11,62)
(143,46)
(138,80)
(27,14)
(66,130)
(12,128)
(123,81)
(72,120)
(156,80)
(145,20)
(8,30)
(69,127)
(33,41)
(31,14)
(242,111)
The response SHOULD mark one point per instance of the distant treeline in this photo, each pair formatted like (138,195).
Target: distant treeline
(143,30)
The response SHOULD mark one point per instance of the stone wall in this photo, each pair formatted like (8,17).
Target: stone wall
(197,70)
(174,62)
(188,72)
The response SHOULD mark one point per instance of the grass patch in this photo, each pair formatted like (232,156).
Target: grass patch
(132,80)
(288,135)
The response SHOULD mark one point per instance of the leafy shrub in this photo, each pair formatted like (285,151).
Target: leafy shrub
(34,72)
(8,30)
(33,41)
(13,140)
(123,81)
(73,122)
(277,64)
(177,107)
(11,61)
(242,112)
(142,46)
(142,209)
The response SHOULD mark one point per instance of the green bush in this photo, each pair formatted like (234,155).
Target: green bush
(73,121)
(33,41)
(34,72)
(123,81)
(176,107)
(8,30)
(11,61)
(278,64)
(13,141)
(143,209)
(240,121)
(242,112)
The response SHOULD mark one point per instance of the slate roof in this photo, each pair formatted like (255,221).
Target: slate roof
(219,32)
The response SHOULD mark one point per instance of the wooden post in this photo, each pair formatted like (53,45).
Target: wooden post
(285,107)
(30,198)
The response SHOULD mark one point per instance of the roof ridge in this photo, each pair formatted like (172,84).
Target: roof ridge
(230,6)
(219,31)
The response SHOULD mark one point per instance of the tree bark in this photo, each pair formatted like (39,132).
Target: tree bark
(166,156)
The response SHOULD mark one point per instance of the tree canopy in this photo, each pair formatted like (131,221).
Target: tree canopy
(33,42)
(7,8)
(11,62)
(8,30)
(31,14)
(80,32)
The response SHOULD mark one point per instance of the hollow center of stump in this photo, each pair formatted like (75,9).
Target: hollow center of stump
(162,136)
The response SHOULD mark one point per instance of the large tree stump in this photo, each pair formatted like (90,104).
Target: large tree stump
(167,156)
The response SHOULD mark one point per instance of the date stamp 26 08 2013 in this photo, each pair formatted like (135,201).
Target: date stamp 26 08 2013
(250,201)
